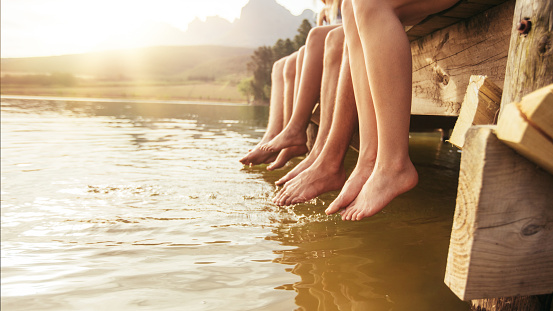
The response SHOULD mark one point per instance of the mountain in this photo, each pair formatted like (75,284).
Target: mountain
(209,49)
(261,22)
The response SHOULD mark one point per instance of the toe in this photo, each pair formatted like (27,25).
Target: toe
(282,181)
(283,201)
(288,200)
(277,164)
(333,208)
(348,213)
(282,198)
(278,196)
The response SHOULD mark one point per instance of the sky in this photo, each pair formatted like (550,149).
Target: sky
(56,27)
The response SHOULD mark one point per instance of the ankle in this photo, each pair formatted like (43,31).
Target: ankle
(332,165)
(268,136)
(395,165)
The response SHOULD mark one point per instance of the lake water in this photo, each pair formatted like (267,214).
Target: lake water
(144,206)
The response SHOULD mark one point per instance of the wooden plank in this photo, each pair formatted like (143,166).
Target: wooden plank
(526,303)
(467,9)
(502,237)
(496,2)
(515,131)
(463,9)
(418,123)
(480,106)
(432,24)
(444,61)
(537,108)
(530,62)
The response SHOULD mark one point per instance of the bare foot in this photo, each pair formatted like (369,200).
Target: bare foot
(315,180)
(285,155)
(289,137)
(352,187)
(258,156)
(302,166)
(380,189)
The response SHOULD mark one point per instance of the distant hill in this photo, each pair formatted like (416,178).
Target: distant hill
(214,49)
(160,63)
(261,22)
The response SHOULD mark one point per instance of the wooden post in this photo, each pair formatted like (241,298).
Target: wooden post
(502,237)
(480,106)
(529,67)
(530,60)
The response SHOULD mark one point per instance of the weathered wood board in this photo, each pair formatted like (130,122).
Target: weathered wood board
(537,108)
(516,132)
(444,60)
(417,123)
(530,62)
(464,9)
(502,238)
(480,106)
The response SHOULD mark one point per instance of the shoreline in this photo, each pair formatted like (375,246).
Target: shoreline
(121,100)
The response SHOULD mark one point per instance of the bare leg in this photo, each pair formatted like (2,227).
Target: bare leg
(327,172)
(290,77)
(276,117)
(367,119)
(299,66)
(294,134)
(331,71)
(386,51)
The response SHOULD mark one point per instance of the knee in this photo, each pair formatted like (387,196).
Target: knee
(279,64)
(334,45)
(290,68)
(335,38)
(278,68)
(316,37)
(368,7)
(301,52)
(347,10)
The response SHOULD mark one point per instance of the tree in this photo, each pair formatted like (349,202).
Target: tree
(264,57)
(245,87)
(261,66)
(283,48)
(303,31)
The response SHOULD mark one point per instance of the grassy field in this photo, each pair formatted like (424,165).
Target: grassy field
(208,73)
(191,91)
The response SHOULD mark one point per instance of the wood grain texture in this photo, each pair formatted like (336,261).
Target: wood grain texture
(530,62)
(537,108)
(502,238)
(480,105)
(444,60)
(515,131)
(463,9)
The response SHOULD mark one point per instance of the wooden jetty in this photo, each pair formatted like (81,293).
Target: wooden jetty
(474,64)
(448,48)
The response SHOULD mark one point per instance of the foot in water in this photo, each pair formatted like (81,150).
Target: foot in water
(285,155)
(289,137)
(302,166)
(258,156)
(312,182)
(352,187)
(378,191)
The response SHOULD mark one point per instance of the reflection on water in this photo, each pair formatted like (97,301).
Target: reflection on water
(127,205)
